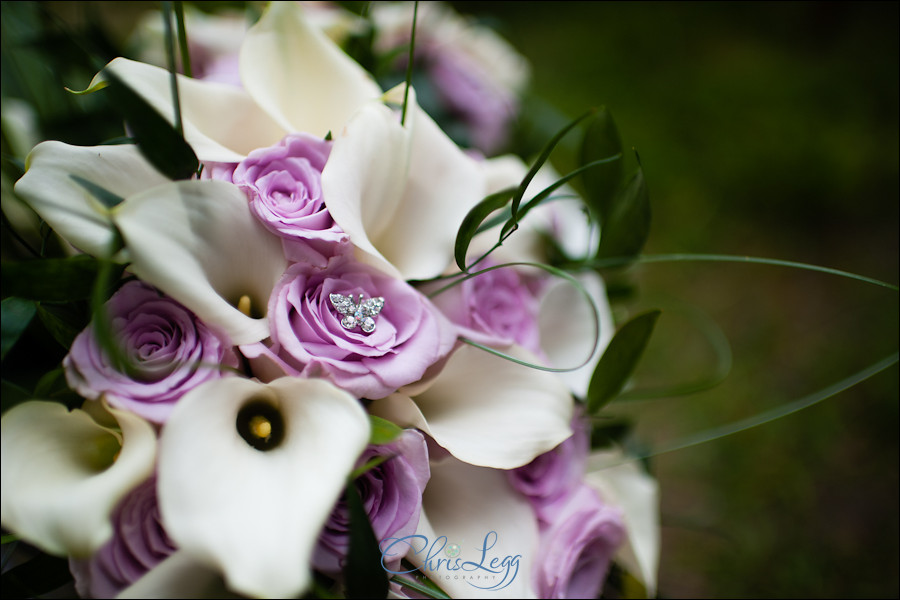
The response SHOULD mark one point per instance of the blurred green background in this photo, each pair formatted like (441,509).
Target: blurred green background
(764,129)
(771,130)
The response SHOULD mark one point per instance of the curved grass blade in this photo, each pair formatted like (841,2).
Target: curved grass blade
(470,224)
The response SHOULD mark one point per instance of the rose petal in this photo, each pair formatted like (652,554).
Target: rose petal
(298,75)
(488,411)
(72,211)
(197,242)
(63,474)
(255,514)
(221,122)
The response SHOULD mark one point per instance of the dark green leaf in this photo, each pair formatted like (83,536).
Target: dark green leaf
(363,574)
(17,313)
(52,279)
(511,225)
(36,577)
(601,139)
(64,321)
(383,431)
(619,360)
(157,139)
(627,225)
(610,432)
(473,220)
(106,197)
(12,395)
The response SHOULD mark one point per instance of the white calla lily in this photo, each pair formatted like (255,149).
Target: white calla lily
(486,410)
(298,75)
(254,512)
(197,242)
(567,335)
(63,473)
(50,186)
(179,576)
(623,483)
(491,533)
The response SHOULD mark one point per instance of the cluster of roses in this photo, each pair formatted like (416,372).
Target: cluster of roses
(214,453)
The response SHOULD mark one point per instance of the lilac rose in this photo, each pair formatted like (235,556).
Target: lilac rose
(138,544)
(170,352)
(497,308)
(284,186)
(391,494)
(367,332)
(551,478)
(576,548)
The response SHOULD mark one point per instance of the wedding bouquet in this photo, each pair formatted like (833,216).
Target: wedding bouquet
(331,350)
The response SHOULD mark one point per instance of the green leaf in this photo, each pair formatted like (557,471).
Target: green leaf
(36,577)
(511,225)
(106,197)
(16,314)
(64,321)
(383,431)
(157,139)
(369,465)
(53,279)
(363,574)
(610,432)
(12,395)
(473,220)
(619,360)
(601,139)
(627,224)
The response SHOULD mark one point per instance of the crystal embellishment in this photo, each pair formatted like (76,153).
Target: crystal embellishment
(359,313)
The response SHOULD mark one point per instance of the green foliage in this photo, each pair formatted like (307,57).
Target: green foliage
(626,223)
(363,575)
(54,279)
(601,139)
(17,313)
(619,360)
(160,143)
(383,431)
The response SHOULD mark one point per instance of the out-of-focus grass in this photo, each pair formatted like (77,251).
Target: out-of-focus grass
(764,129)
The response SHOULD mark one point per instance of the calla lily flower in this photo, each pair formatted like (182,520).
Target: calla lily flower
(249,473)
(194,240)
(64,473)
(624,484)
(486,410)
(50,186)
(400,191)
(477,536)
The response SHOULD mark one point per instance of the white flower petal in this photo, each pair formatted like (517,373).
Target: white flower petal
(70,209)
(221,122)
(443,184)
(198,243)
(63,474)
(298,75)
(362,182)
(179,576)
(488,411)
(256,514)
(567,334)
(467,504)
(636,493)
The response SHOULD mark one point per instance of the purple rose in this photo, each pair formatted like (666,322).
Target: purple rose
(551,478)
(310,337)
(391,494)
(138,544)
(576,548)
(169,349)
(284,186)
(496,308)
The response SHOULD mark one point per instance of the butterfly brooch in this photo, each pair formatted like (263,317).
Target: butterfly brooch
(360,313)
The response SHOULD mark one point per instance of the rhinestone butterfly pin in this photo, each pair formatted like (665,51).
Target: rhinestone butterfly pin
(360,313)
